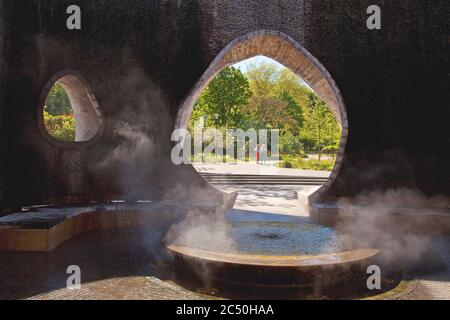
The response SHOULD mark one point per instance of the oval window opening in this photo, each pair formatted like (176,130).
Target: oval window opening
(250,100)
(292,92)
(70,111)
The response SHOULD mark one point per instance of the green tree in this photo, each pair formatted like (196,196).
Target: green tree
(269,97)
(266,112)
(321,125)
(221,101)
(290,144)
(293,85)
(294,111)
(57,102)
(263,78)
(268,80)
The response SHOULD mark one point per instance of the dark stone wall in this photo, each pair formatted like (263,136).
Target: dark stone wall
(395,84)
(139,58)
(4,52)
(142,57)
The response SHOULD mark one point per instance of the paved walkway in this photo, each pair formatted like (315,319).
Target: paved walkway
(123,264)
(126,264)
(253,168)
(272,199)
(434,285)
(280,202)
(129,264)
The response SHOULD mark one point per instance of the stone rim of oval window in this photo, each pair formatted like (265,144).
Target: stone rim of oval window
(89,120)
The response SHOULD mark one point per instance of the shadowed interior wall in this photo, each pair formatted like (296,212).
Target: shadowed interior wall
(394,84)
(5,13)
(141,58)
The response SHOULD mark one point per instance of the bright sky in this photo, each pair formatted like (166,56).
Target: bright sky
(245,64)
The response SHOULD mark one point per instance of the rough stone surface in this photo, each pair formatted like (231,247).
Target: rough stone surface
(123,264)
(4,33)
(128,264)
(142,58)
(285,50)
(434,285)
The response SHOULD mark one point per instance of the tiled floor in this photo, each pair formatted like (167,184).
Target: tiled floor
(436,284)
(115,264)
(129,264)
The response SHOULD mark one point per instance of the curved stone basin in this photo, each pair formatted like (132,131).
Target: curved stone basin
(262,238)
(321,260)
(272,254)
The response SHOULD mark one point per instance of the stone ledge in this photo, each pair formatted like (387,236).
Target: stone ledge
(43,229)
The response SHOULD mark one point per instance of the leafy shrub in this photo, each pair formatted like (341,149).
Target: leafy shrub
(299,163)
(60,127)
(286,164)
(290,144)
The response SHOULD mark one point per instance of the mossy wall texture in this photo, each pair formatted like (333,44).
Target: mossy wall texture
(142,57)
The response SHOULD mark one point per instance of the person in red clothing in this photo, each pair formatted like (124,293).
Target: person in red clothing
(257,153)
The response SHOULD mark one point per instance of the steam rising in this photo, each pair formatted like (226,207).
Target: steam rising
(143,115)
(389,220)
(197,227)
(372,219)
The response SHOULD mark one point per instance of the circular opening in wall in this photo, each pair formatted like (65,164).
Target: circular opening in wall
(283,77)
(69,113)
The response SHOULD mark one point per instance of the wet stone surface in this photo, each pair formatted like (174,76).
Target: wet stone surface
(130,264)
(115,264)
(263,238)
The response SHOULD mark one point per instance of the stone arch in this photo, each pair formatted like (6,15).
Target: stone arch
(285,50)
(88,117)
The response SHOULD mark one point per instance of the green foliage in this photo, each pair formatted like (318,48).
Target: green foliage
(272,105)
(57,102)
(267,97)
(311,164)
(321,131)
(331,149)
(294,111)
(293,85)
(224,97)
(58,115)
(266,112)
(262,78)
(60,127)
(290,144)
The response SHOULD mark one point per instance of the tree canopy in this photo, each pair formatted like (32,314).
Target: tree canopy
(58,114)
(268,97)
(222,100)
(57,102)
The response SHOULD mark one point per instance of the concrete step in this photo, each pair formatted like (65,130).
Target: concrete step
(268,179)
(268,183)
(251,179)
(262,176)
